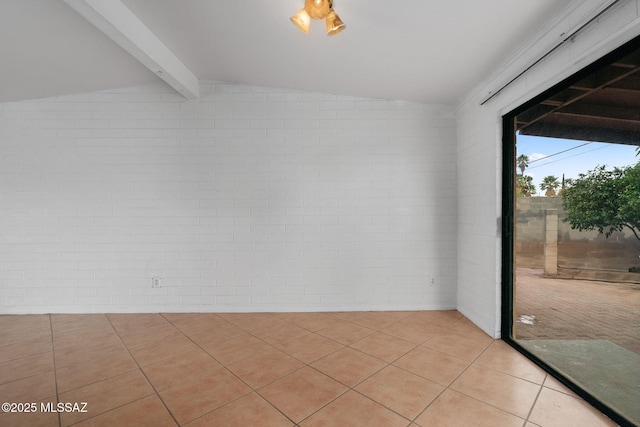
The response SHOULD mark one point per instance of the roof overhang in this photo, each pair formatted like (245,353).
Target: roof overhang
(602,107)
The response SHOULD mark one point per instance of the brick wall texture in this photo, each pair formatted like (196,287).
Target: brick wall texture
(576,249)
(248,198)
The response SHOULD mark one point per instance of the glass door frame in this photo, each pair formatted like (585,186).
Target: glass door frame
(508,223)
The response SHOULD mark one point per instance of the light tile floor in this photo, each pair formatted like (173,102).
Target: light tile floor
(274,369)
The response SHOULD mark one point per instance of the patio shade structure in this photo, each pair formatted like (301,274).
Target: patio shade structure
(603,107)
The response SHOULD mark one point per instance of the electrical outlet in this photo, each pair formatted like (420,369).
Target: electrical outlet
(156,282)
(433,281)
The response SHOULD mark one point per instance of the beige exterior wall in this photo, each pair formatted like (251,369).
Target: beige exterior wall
(576,249)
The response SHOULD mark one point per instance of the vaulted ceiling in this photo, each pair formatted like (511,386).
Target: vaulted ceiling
(432,51)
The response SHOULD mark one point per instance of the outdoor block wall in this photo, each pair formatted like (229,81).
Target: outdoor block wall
(576,249)
(247,199)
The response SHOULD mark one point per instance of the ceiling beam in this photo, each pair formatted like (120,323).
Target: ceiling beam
(591,84)
(595,111)
(118,22)
(583,133)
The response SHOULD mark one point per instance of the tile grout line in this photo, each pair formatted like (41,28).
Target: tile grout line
(305,365)
(349,388)
(447,387)
(105,379)
(141,371)
(533,405)
(274,347)
(352,388)
(494,370)
(55,373)
(228,370)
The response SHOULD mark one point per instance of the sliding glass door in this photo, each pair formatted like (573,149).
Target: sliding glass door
(571,232)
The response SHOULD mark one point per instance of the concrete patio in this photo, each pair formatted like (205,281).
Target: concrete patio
(576,309)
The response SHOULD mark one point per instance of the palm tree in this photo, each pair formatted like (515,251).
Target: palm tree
(523,162)
(550,184)
(524,186)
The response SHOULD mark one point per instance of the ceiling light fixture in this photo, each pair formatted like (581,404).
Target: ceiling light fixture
(318,9)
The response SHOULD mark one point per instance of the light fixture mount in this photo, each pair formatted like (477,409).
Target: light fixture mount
(318,9)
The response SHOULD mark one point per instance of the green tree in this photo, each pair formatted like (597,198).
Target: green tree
(604,200)
(549,184)
(524,186)
(523,162)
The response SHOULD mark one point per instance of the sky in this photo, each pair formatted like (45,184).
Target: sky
(572,162)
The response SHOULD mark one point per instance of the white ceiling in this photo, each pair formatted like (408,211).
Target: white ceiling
(432,51)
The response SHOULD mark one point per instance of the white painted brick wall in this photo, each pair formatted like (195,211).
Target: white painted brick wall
(249,198)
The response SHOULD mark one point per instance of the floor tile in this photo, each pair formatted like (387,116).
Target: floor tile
(250,410)
(345,333)
(100,368)
(376,319)
(86,351)
(280,333)
(24,323)
(251,322)
(310,347)
(147,354)
(83,337)
(125,324)
(76,322)
(151,334)
(301,393)
(276,369)
(553,408)
(384,346)
(552,383)
(353,409)
(182,368)
(412,330)
(191,323)
(437,318)
(265,367)
(503,391)
(213,335)
(24,348)
(310,321)
(190,400)
(29,389)
(25,367)
(20,335)
(432,365)
(197,317)
(349,366)
(236,349)
(403,392)
(456,345)
(148,411)
(105,395)
(453,409)
(502,357)
(466,328)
